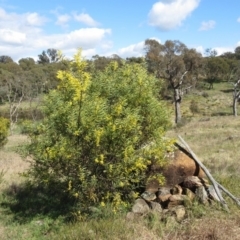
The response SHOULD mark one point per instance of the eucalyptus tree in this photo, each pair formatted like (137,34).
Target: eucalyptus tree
(216,69)
(49,56)
(13,89)
(5,59)
(27,63)
(236,96)
(173,61)
(237,52)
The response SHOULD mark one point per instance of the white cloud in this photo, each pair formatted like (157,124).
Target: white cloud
(238,19)
(22,35)
(133,50)
(107,45)
(200,49)
(63,19)
(11,37)
(84,37)
(88,53)
(168,14)
(27,23)
(33,19)
(207,25)
(86,19)
(221,50)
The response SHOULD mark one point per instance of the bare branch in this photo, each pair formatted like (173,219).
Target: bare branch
(214,183)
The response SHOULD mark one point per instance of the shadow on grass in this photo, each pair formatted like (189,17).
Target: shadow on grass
(27,202)
(215,114)
(227,90)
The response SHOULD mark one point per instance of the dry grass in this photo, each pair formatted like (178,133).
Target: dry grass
(11,163)
(216,141)
(209,228)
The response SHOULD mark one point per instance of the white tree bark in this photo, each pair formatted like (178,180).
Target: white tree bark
(236,96)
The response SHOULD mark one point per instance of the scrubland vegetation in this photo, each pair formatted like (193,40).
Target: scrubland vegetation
(215,140)
(52,186)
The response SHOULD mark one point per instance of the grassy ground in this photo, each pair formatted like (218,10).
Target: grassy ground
(212,133)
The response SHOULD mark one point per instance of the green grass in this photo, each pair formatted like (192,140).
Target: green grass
(212,133)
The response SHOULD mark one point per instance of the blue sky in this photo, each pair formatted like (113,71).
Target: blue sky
(106,27)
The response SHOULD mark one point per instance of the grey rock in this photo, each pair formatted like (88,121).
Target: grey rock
(176,190)
(179,212)
(140,206)
(164,191)
(156,207)
(176,200)
(192,182)
(148,196)
(202,194)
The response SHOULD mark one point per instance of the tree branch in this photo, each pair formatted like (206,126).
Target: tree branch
(214,183)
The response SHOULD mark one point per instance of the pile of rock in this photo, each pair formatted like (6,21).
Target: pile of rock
(173,200)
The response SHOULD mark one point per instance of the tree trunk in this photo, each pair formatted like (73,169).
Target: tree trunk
(177,102)
(236,95)
(235,100)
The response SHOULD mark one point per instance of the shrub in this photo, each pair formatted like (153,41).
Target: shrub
(100,135)
(205,94)
(4,130)
(26,126)
(194,108)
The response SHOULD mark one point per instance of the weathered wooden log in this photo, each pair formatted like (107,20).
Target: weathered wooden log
(235,199)
(229,194)
(214,183)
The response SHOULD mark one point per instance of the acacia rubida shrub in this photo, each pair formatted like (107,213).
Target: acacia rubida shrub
(100,133)
(4,131)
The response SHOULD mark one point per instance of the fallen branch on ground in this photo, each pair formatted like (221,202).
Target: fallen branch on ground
(212,180)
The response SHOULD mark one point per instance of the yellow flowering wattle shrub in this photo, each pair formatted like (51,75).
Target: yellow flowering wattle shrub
(4,131)
(100,134)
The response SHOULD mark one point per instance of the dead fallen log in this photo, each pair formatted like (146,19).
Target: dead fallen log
(212,180)
(229,194)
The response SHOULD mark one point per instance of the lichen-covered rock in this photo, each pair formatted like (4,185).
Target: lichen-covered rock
(140,206)
(176,190)
(156,207)
(179,212)
(175,200)
(192,182)
(164,198)
(148,196)
(190,194)
(202,194)
(164,191)
(163,195)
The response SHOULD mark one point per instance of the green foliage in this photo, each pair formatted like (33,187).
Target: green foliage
(27,126)
(4,129)
(100,135)
(216,68)
(194,108)
(2,173)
